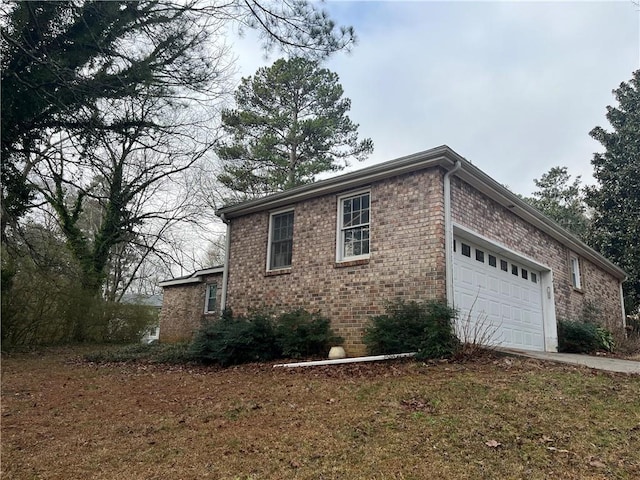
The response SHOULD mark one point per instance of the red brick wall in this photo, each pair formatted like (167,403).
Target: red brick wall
(485,216)
(407,257)
(183,309)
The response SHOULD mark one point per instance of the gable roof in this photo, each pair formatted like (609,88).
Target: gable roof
(443,157)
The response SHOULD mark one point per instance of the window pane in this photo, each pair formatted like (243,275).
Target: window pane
(525,273)
(466,250)
(534,277)
(281,251)
(503,265)
(355,225)
(492,260)
(479,255)
(211,298)
(514,269)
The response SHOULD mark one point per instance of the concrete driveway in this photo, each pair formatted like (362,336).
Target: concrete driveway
(599,363)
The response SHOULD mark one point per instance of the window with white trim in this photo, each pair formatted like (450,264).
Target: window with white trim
(210,298)
(353,226)
(280,251)
(576,281)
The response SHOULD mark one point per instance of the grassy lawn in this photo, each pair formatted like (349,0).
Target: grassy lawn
(64,418)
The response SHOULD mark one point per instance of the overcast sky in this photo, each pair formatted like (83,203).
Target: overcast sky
(513,87)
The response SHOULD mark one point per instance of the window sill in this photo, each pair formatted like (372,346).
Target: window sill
(351,263)
(275,273)
(578,290)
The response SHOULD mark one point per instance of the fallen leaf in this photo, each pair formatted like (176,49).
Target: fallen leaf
(493,444)
(559,450)
(597,464)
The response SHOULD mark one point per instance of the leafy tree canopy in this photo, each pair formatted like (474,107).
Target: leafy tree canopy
(615,228)
(290,125)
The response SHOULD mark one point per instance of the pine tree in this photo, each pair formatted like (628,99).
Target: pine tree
(290,124)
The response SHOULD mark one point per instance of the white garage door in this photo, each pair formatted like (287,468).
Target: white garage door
(499,300)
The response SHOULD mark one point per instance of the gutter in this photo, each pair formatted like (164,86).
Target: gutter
(448,233)
(225,270)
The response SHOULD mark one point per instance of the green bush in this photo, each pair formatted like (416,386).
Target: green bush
(231,341)
(425,328)
(258,337)
(303,334)
(578,337)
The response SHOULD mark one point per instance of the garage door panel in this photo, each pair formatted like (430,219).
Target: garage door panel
(497,300)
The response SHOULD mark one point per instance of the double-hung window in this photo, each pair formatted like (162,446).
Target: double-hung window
(576,281)
(280,250)
(353,226)
(210,298)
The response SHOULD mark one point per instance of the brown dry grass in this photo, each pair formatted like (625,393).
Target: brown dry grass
(497,418)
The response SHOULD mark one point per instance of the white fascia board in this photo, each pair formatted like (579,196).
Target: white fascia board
(208,271)
(195,277)
(179,281)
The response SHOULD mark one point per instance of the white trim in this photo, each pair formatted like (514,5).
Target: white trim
(179,281)
(271,215)
(448,234)
(195,277)
(339,240)
(624,313)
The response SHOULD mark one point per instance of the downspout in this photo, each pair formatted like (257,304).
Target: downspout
(225,271)
(448,232)
(624,313)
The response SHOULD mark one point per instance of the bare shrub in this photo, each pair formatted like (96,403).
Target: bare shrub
(476,333)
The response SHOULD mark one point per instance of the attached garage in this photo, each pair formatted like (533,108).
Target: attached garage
(499,296)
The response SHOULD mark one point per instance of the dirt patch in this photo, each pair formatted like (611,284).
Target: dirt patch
(63,418)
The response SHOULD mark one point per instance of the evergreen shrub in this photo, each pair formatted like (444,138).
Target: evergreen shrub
(577,337)
(300,333)
(231,341)
(425,328)
(260,337)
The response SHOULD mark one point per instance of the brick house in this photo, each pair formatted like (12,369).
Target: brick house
(188,302)
(426,226)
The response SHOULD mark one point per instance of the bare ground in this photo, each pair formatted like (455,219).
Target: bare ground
(63,418)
